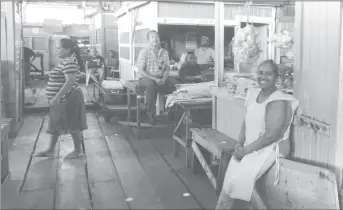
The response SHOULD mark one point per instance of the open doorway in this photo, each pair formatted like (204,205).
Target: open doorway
(180,39)
(42,34)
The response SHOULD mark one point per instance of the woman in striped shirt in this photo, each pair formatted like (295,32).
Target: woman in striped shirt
(67,106)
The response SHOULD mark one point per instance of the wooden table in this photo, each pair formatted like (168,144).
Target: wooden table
(41,57)
(186,140)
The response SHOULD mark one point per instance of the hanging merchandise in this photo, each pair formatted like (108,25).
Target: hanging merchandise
(283,40)
(244,46)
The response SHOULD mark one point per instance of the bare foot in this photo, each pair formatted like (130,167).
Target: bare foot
(73,155)
(46,153)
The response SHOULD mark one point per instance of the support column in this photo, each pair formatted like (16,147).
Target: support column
(219,41)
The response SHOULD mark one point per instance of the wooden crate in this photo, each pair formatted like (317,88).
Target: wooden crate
(4,149)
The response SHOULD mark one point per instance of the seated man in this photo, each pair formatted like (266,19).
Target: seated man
(95,64)
(190,71)
(205,55)
(153,68)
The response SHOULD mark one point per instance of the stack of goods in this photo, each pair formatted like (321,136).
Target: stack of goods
(198,92)
(239,83)
(244,46)
(286,78)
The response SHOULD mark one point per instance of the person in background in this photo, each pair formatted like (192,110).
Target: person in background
(263,139)
(95,64)
(205,55)
(67,106)
(29,57)
(112,62)
(153,67)
(190,71)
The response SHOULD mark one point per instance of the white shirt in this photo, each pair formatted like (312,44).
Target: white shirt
(203,55)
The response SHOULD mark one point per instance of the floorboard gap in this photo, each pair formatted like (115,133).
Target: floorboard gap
(30,159)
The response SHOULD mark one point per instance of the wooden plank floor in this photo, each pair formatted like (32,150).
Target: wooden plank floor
(118,171)
(35,96)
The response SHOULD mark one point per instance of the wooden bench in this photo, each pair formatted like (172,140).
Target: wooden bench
(133,89)
(301,186)
(209,141)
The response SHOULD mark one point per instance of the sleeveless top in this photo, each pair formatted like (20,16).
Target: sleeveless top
(256,113)
(255,119)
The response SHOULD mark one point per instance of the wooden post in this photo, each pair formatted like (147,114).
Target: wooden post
(219,41)
(219,56)
(339,124)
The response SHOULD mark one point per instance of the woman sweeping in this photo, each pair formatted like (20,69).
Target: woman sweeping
(67,107)
(264,137)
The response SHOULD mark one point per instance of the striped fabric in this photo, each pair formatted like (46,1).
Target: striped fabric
(57,76)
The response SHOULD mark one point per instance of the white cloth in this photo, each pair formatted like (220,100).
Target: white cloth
(203,55)
(201,92)
(112,85)
(240,177)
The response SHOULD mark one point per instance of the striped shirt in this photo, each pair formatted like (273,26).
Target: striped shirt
(155,64)
(57,76)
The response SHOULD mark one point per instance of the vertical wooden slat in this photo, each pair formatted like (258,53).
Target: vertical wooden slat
(219,41)
(317,67)
(339,125)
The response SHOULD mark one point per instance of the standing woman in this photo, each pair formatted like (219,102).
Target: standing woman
(67,106)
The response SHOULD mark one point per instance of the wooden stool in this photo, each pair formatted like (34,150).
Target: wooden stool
(215,143)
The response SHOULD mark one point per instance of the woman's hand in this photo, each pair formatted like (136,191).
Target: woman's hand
(202,78)
(54,101)
(237,146)
(240,153)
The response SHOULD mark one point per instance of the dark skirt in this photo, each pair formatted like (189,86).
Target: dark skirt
(68,116)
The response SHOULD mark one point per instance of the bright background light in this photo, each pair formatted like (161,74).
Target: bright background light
(68,15)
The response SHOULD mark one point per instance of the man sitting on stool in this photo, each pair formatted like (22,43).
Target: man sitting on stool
(153,68)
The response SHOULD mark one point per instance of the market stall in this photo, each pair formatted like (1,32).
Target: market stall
(182,30)
(316,65)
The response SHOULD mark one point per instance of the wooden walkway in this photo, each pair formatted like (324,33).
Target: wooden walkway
(118,171)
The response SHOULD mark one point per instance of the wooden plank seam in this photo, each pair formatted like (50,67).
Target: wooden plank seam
(30,159)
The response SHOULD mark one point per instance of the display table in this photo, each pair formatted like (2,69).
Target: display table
(186,140)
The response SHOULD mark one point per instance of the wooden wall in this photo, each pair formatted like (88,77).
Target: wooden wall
(182,10)
(231,11)
(124,47)
(317,63)
(11,71)
(132,30)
